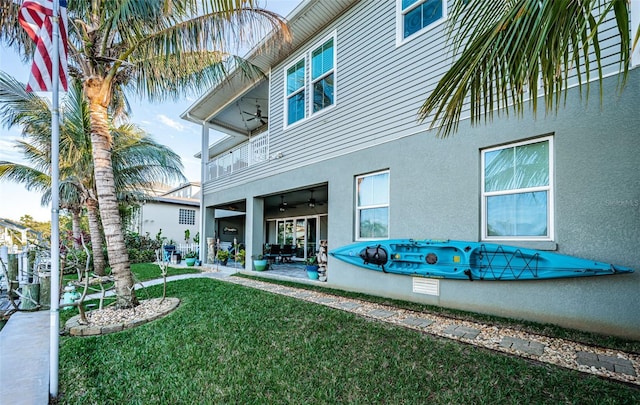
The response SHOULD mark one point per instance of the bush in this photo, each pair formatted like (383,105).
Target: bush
(142,249)
(75,259)
(134,240)
(141,256)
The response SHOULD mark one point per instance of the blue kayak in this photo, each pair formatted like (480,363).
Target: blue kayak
(468,260)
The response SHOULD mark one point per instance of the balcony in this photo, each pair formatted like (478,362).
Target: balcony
(255,151)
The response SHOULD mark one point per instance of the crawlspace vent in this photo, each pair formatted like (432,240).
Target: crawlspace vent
(427,286)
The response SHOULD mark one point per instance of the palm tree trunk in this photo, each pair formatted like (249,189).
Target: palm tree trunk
(99,262)
(75,227)
(97,92)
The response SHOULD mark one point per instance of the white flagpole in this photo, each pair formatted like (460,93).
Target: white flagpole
(54,327)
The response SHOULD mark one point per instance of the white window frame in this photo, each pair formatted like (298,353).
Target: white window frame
(308,82)
(400,13)
(301,89)
(360,208)
(550,189)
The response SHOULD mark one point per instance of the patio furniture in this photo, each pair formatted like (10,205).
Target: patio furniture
(286,253)
(273,253)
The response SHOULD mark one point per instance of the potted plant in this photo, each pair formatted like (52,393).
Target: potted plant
(259,263)
(311,265)
(190,258)
(241,257)
(223,256)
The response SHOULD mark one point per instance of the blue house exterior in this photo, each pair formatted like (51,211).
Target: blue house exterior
(328,147)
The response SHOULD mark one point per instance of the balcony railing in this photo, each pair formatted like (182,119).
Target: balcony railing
(254,151)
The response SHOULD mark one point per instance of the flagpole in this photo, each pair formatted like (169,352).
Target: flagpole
(54,327)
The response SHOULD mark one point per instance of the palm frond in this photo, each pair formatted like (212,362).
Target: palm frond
(509,47)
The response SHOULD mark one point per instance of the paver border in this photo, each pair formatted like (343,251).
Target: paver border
(75,328)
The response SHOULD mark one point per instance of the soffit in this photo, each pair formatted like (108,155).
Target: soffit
(304,21)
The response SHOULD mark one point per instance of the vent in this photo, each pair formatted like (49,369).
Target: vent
(426,286)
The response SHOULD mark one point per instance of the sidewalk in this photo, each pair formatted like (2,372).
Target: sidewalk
(24,359)
(24,341)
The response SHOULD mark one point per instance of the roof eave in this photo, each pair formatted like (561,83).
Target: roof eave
(303,23)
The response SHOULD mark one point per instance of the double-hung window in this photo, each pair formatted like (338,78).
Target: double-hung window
(310,82)
(322,76)
(517,191)
(372,206)
(415,16)
(296,92)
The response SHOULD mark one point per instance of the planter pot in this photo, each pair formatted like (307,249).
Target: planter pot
(190,261)
(312,272)
(260,265)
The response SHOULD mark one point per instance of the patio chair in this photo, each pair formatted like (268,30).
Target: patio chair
(286,253)
(273,253)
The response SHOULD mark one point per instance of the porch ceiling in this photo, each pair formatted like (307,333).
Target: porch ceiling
(293,198)
(222,106)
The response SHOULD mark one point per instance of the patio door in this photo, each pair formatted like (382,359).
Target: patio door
(301,232)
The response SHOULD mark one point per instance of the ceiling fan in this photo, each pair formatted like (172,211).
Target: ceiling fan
(257,115)
(284,205)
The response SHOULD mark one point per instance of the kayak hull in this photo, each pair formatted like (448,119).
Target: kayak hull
(464,260)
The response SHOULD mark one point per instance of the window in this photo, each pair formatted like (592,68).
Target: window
(517,191)
(372,206)
(295,92)
(320,84)
(416,16)
(187,217)
(322,68)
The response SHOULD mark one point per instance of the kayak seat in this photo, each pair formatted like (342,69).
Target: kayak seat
(375,255)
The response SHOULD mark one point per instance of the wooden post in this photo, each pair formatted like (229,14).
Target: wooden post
(12,274)
(45,289)
(30,296)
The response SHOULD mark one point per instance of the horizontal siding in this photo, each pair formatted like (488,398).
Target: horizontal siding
(379,89)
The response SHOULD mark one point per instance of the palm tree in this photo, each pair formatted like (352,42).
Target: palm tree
(138,160)
(158,49)
(508,46)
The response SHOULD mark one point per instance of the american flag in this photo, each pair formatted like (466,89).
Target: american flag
(36,18)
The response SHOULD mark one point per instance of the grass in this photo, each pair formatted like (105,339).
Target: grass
(231,344)
(607,341)
(143,272)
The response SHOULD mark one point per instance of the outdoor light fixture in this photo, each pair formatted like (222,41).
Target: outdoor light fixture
(312,201)
(283,205)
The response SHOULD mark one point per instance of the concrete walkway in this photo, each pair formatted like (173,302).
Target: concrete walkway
(24,341)
(24,359)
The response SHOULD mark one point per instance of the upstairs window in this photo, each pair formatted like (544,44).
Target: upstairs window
(372,206)
(310,82)
(416,16)
(295,92)
(322,67)
(517,191)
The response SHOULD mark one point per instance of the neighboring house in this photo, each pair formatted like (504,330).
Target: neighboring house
(172,211)
(328,147)
(15,236)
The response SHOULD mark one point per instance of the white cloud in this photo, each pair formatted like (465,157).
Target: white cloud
(170,122)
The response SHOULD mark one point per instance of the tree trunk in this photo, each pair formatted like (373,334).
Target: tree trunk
(98,94)
(99,262)
(75,227)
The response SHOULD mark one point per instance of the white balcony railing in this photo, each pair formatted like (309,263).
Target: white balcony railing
(254,151)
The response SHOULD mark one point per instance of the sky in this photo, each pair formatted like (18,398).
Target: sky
(161,120)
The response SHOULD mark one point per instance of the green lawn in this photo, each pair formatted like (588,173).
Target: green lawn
(231,344)
(144,272)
